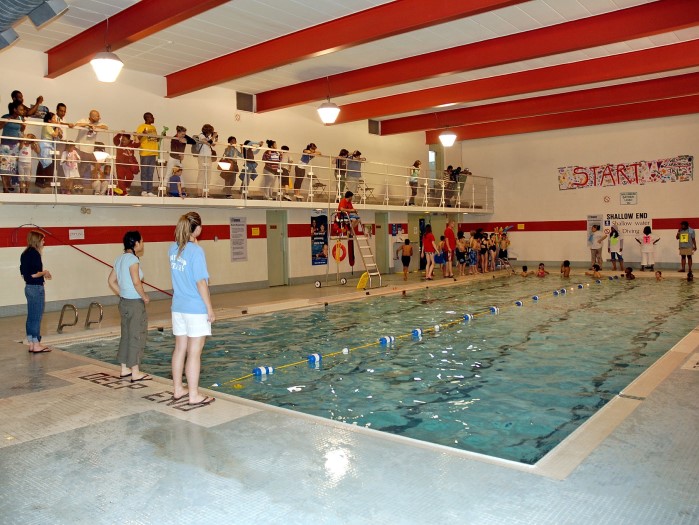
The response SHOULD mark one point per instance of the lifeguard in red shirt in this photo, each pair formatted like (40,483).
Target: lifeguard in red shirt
(346,209)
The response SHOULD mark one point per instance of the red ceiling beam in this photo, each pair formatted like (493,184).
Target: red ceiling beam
(587,98)
(625,24)
(636,63)
(574,119)
(139,21)
(365,26)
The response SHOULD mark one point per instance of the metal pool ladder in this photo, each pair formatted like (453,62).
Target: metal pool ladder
(61,324)
(89,322)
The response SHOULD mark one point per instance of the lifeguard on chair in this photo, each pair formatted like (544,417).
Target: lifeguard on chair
(346,212)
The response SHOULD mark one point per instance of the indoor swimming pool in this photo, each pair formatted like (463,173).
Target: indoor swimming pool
(511,383)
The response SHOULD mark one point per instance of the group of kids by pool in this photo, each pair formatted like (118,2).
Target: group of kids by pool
(481,251)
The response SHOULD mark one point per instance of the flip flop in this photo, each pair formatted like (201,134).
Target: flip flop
(142,378)
(203,402)
(125,376)
(44,350)
(177,399)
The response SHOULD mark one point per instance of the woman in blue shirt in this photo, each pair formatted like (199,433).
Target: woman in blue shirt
(192,313)
(126,280)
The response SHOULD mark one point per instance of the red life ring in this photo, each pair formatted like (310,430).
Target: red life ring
(339,251)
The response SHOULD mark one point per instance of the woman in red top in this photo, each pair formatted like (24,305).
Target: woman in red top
(429,247)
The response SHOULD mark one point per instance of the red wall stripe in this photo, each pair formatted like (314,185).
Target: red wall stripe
(17,237)
(57,235)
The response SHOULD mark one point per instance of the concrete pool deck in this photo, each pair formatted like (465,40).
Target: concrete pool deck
(80,446)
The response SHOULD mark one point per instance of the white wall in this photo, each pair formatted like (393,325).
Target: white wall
(525,172)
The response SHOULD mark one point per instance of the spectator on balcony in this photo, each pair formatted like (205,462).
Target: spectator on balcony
(300,171)
(272,169)
(85,141)
(148,136)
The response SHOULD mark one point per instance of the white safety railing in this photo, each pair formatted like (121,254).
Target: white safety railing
(110,165)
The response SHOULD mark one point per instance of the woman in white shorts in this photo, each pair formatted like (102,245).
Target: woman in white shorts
(192,313)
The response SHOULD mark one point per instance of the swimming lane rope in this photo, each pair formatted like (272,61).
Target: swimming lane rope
(388,341)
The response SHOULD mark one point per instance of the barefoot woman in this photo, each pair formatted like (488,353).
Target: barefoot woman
(192,313)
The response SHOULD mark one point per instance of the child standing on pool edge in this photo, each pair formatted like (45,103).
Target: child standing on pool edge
(192,312)
(647,243)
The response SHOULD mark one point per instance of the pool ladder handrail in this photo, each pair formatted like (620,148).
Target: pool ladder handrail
(89,322)
(61,324)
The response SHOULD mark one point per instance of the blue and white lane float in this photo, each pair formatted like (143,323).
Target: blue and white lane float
(262,370)
(468,317)
(519,303)
(315,358)
(494,310)
(417,333)
(387,340)
(535,298)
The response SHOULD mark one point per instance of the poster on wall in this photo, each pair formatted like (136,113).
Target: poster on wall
(319,237)
(239,239)
(674,169)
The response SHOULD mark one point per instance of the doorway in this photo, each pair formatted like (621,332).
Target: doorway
(381,242)
(277,250)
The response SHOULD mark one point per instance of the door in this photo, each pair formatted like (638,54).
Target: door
(381,242)
(277,240)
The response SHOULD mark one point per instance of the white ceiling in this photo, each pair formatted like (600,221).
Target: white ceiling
(239,24)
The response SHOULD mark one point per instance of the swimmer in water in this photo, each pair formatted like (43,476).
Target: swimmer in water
(595,271)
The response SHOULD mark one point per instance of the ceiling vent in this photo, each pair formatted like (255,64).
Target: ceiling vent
(245,102)
(375,127)
(47,12)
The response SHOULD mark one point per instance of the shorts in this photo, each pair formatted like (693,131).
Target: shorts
(472,258)
(686,251)
(616,256)
(439,259)
(460,256)
(191,325)
(405,259)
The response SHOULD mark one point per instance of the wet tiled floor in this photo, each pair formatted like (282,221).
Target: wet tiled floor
(79,445)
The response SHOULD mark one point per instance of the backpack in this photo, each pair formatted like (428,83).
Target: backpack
(196,148)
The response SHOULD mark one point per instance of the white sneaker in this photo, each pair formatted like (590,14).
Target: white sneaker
(143,194)
(151,194)
(286,197)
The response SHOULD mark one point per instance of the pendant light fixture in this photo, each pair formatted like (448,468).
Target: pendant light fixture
(447,138)
(106,64)
(328,111)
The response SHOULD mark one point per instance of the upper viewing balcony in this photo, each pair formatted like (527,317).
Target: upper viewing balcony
(74,165)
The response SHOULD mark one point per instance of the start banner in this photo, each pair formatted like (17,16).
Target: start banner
(674,169)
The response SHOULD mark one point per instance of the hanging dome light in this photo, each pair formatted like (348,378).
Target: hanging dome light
(447,138)
(328,112)
(106,65)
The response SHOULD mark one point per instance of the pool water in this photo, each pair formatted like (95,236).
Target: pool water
(511,385)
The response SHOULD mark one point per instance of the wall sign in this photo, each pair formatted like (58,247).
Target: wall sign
(239,239)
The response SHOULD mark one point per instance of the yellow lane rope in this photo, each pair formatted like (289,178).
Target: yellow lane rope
(436,328)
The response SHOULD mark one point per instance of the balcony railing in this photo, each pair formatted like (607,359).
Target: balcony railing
(61,169)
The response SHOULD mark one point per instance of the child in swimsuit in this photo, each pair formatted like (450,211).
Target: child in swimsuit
(541,272)
(405,251)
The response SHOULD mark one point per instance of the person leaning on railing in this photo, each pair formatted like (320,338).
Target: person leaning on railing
(48,146)
(9,144)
